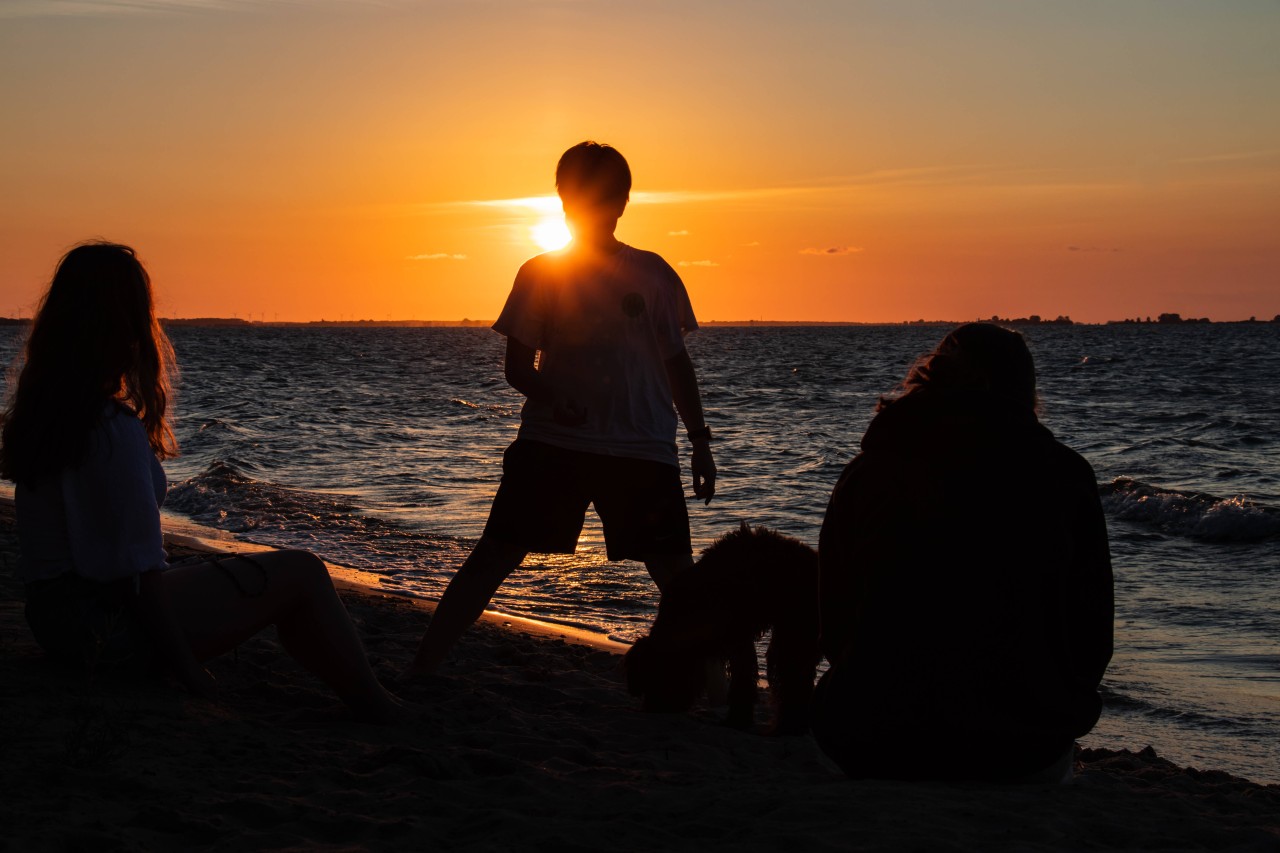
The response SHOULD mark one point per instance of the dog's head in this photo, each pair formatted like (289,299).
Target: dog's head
(667,678)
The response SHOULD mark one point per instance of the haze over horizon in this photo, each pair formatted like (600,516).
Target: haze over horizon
(850,161)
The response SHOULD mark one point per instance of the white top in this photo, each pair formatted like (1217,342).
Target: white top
(100,519)
(604,328)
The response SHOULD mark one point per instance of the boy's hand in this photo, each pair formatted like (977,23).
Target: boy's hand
(567,412)
(704,471)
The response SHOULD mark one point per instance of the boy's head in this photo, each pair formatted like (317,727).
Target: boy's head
(593,175)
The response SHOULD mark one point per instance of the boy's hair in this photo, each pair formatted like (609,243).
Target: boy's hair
(593,170)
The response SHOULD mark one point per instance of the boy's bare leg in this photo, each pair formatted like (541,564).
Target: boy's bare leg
(662,570)
(464,600)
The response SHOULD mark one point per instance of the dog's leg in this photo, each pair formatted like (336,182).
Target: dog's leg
(791,661)
(717,684)
(744,678)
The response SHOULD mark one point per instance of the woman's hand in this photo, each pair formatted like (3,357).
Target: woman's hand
(167,634)
(199,681)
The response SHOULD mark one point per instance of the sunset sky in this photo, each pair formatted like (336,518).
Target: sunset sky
(865,161)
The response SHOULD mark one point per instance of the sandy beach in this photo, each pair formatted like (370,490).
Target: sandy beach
(528,740)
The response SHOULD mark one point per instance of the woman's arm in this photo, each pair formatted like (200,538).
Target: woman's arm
(113,523)
(161,620)
(839,562)
(1092,590)
(113,519)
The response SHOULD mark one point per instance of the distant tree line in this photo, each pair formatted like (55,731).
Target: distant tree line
(1177,319)
(1033,320)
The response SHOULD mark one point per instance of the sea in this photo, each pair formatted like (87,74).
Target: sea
(380,448)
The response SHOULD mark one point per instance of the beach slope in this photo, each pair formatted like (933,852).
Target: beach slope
(528,741)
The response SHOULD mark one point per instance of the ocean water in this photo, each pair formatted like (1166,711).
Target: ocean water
(381,448)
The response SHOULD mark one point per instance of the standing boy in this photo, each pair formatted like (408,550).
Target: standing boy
(595,342)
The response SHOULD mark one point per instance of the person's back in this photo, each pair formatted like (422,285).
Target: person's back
(965,592)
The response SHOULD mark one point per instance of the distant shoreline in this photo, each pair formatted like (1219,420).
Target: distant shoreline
(215,322)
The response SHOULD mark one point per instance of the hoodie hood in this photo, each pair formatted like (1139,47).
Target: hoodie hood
(952,424)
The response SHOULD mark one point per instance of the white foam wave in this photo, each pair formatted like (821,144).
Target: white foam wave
(1192,514)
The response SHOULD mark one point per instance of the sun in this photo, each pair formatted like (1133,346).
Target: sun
(550,232)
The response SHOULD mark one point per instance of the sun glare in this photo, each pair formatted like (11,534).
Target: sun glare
(551,233)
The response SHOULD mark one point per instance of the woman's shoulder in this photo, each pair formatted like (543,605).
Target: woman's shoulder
(120,423)
(120,415)
(1071,462)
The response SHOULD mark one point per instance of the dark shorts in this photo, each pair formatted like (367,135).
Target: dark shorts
(89,624)
(545,490)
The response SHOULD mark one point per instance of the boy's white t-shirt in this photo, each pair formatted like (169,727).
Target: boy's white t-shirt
(604,327)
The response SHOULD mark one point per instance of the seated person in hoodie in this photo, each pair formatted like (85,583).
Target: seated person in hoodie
(966,590)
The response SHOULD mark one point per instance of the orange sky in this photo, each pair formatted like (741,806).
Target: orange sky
(867,161)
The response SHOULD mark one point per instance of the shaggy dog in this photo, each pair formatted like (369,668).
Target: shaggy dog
(746,582)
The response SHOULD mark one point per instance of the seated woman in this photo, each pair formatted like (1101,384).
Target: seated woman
(966,592)
(82,436)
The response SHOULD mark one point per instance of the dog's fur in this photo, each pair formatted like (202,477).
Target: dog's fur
(746,582)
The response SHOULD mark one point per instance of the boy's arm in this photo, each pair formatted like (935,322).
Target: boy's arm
(523,375)
(684,393)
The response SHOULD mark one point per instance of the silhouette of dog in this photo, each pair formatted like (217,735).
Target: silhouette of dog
(746,582)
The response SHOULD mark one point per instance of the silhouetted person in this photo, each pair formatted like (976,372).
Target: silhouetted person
(82,437)
(595,342)
(966,591)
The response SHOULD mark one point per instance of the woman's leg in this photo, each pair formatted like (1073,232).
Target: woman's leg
(225,602)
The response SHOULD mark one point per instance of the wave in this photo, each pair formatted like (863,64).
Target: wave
(1196,515)
(1117,700)
(500,409)
(226,497)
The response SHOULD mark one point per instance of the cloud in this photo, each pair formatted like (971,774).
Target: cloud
(697,264)
(1234,157)
(437,256)
(832,252)
(539,203)
(698,196)
(683,232)
(102,8)
(976,174)
(752,243)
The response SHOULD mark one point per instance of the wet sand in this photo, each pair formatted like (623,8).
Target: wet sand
(528,740)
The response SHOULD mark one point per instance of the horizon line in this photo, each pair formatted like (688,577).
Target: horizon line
(1167,318)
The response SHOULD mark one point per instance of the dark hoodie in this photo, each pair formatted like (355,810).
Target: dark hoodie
(966,594)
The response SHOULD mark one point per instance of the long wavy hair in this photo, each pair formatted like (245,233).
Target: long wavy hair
(980,357)
(94,339)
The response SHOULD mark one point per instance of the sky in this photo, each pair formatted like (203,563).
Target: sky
(837,161)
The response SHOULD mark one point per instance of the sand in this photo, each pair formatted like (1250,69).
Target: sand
(527,741)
